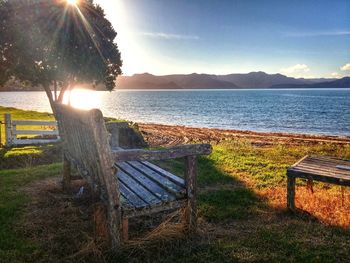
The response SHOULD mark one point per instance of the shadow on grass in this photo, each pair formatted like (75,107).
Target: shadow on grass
(221,197)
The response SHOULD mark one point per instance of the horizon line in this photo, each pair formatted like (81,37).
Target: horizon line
(202,73)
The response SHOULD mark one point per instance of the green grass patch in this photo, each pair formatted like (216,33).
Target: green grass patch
(266,166)
(28,156)
(222,205)
(25,114)
(20,151)
(12,201)
(297,241)
(209,171)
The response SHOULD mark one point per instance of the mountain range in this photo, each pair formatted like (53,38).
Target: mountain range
(230,81)
(256,80)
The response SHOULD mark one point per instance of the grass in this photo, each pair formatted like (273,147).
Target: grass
(13,245)
(241,207)
(25,114)
(29,156)
(222,205)
(266,166)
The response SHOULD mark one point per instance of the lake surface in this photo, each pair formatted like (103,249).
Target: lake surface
(317,111)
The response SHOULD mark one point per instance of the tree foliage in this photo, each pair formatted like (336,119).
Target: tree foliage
(47,42)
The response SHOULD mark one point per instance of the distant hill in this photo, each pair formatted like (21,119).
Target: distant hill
(207,81)
(339,83)
(260,79)
(190,81)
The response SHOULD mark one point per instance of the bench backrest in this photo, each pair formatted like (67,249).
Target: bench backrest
(86,144)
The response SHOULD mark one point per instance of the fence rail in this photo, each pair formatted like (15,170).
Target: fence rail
(11,132)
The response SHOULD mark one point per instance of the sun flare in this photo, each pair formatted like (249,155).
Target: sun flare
(72,2)
(83,98)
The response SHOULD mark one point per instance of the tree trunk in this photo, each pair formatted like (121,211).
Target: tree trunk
(50,97)
(55,89)
(61,96)
(53,107)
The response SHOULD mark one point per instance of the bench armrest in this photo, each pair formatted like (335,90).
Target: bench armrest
(169,153)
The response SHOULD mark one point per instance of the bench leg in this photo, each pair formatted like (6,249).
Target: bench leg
(291,192)
(125,227)
(107,225)
(66,180)
(100,221)
(191,187)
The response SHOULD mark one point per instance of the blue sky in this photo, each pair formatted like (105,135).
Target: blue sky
(296,38)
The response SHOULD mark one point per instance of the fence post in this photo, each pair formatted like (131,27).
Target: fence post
(8,130)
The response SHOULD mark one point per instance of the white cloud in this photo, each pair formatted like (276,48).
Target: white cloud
(346,67)
(296,69)
(318,33)
(335,75)
(169,36)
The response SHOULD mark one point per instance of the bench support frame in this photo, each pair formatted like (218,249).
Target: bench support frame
(86,147)
(291,192)
(191,187)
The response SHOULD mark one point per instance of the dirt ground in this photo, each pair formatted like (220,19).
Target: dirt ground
(157,134)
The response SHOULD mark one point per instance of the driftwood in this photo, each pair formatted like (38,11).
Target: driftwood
(126,183)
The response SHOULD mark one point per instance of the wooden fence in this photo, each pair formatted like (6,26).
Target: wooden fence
(39,136)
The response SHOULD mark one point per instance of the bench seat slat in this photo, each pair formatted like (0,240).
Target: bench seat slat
(321,166)
(329,159)
(318,173)
(322,169)
(162,181)
(125,202)
(146,182)
(321,163)
(178,180)
(138,189)
(131,199)
(324,161)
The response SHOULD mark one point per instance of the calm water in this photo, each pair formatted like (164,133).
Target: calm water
(298,111)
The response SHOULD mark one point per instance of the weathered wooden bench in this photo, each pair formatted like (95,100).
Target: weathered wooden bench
(128,184)
(319,168)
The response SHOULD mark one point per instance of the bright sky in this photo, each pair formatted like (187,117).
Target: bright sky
(309,38)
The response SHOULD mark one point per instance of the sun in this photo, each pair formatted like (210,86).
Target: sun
(83,98)
(72,2)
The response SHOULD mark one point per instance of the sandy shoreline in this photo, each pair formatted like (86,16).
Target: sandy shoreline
(159,134)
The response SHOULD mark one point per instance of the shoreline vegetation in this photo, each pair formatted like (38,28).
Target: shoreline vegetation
(241,204)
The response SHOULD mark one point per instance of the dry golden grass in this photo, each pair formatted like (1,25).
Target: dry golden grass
(330,205)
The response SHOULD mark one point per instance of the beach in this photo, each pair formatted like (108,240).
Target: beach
(158,134)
